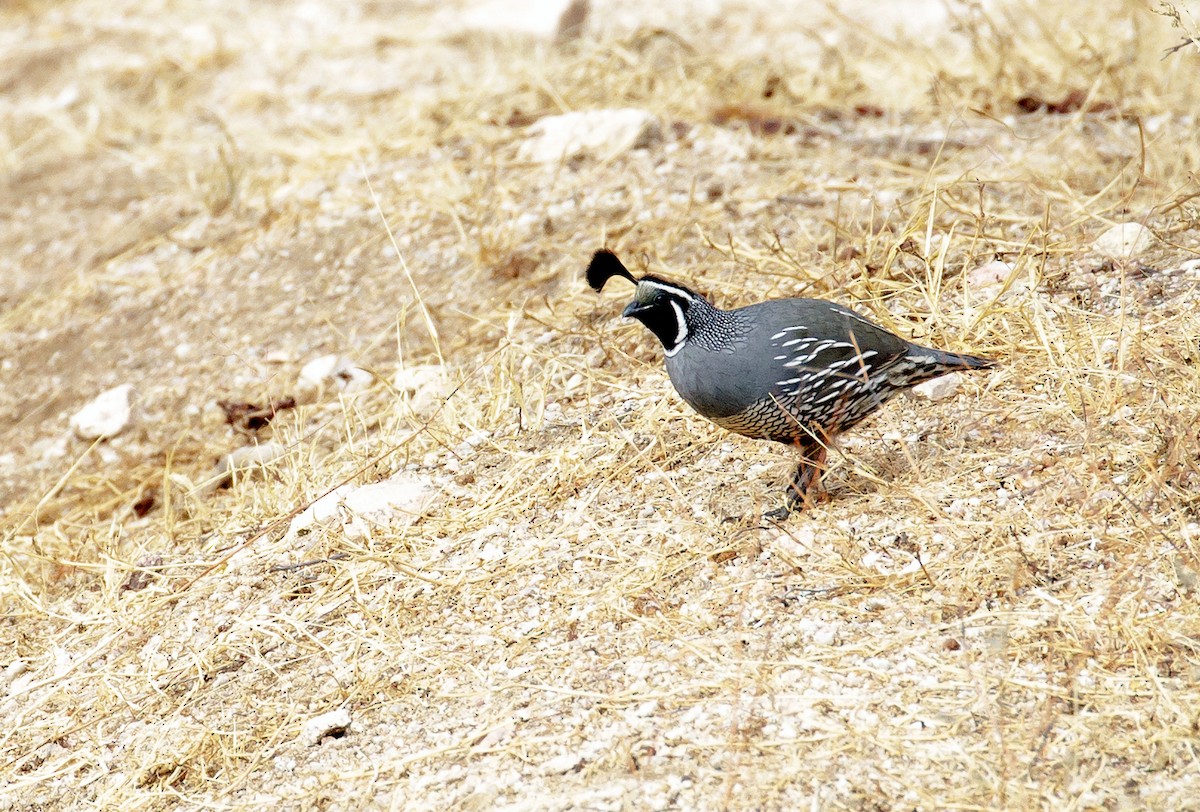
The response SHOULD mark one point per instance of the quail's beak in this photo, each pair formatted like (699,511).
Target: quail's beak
(633,309)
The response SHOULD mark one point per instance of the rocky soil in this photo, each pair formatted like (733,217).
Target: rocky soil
(326,482)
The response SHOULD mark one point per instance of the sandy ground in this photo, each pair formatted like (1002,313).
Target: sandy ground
(996,608)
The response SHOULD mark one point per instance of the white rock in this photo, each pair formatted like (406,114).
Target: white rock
(539,18)
(796,543)
(990,274)
(403,493)
(49,449)
(402,497)
(884,562)
(107,415)
(423,386)
(559,765)
(941,388)
(240,461)
(22,683)
(409,380)
(333,723)
(603,134)
(825,635)
(63,662)
(1124,240)
(494,737)
(248,457)
(491,552)
(332,372)
(13,670)
(721,146)
(573,383)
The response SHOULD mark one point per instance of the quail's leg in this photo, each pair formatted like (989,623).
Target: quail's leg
(805,484)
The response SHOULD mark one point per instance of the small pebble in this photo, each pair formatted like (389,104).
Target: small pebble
(242,459)
(335,723)
(1124,240)
(603,134)
(560,765)
(941,388)
(107,415)
(333,372)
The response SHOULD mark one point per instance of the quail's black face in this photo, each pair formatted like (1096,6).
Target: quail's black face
(660,305)
(663,308)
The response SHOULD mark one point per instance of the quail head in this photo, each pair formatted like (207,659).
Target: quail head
(796,371)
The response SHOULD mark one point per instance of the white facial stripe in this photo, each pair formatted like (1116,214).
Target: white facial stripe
(682,335)
(680,292)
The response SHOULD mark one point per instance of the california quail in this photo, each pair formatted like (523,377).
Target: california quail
(796,371)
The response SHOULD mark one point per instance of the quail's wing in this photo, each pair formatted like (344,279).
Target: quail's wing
(820,346)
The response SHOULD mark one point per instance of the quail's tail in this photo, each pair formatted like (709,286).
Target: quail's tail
(953,360)
(924,363)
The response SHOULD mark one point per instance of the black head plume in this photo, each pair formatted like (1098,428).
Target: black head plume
(603,266)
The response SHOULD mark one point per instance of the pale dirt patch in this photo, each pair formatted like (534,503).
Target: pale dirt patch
(995,609)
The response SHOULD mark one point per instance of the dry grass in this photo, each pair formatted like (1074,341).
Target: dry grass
(997,608)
